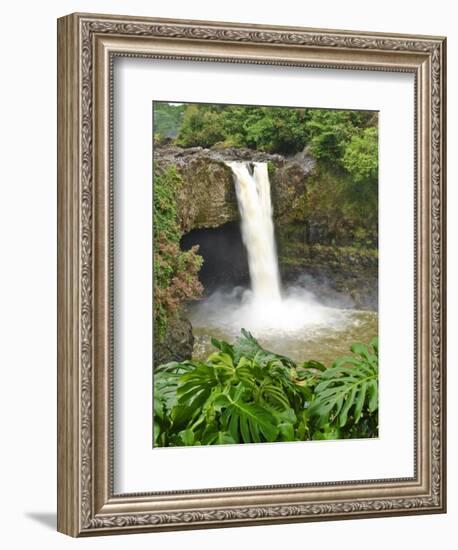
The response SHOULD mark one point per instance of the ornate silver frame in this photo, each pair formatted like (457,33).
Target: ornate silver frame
(87,45)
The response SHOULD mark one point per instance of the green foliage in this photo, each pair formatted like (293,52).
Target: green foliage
(166,185)
(331,131)
(168,118)
(271,129)
(246,394)
(346,144)
(175,272)
(270,168)
(360,157)
(245,421)
(349,388)
(328,133)
(202,126)
(344,206)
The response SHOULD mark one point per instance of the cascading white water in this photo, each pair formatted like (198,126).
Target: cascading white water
(253,197)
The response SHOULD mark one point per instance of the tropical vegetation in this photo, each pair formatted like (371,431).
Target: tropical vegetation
(175,270)
(243,393)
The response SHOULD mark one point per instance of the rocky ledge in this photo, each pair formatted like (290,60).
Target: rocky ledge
(208,200)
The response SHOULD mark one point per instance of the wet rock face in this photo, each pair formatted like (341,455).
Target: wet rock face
(338,274)
(288,190)
(207,198)
(177,344)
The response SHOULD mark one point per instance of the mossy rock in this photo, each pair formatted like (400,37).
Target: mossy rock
(177,344)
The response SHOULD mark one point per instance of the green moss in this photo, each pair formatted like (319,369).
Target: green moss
(271,168)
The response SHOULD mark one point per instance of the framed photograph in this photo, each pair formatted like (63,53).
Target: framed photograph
(251,289)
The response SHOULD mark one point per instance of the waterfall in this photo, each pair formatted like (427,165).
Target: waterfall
(253,197)
(284,318)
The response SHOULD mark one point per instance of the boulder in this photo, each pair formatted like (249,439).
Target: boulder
(177,344)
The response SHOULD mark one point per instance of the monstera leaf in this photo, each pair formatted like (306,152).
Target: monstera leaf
(348,388)
(246,422)
(243,393)
(166,380)
(247,346)
(192,392)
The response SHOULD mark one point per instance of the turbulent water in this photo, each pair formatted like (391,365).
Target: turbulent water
(291,321)
(299,326)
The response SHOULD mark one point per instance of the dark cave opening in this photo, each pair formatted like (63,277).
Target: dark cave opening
(225,258)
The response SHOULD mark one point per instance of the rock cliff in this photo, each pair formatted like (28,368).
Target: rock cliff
(208,200)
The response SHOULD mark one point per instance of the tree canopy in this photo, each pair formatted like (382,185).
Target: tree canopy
(342,139)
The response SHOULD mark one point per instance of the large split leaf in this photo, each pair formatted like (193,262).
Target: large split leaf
(246,422)
(243,393)
(247,346)
(166,380)
(348,388)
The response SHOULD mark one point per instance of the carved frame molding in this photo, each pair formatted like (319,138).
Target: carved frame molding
(87,45)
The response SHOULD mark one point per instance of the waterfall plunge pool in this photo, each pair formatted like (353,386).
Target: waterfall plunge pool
(297,326)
